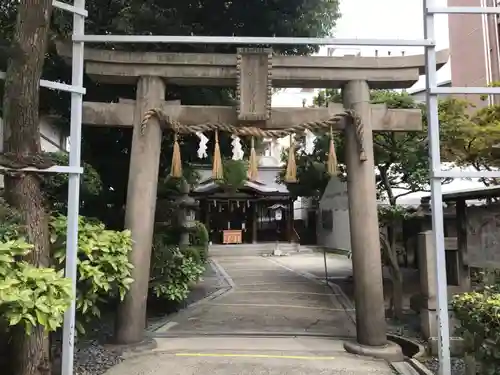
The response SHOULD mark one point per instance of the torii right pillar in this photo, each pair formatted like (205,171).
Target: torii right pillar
(371,327)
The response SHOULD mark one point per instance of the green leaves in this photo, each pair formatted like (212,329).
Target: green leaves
(103,264)
(30,295)
(173,270)
(55,186)
(235,174)
(479,316)
(470,137)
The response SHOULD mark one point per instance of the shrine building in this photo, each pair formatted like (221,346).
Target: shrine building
(262,210)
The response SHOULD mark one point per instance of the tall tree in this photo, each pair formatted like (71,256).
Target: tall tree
(470,136)
(400,158)
(22,146)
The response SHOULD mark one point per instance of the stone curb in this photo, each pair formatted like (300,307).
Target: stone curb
(419,367)
(252,334)
(221,275)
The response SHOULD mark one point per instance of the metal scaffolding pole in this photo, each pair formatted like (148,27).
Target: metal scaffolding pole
(437,197)
(74,186)
(436,173)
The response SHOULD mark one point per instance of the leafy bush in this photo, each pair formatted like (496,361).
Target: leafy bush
(28,295)
(199,239)
(479,317)
(173,271)
(103,265)
(55,185)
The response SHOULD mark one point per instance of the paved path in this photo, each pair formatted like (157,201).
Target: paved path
(272,321)
(266,298)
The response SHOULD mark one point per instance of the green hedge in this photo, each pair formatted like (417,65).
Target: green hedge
(199,239)
(479,317)
(32,295)
(175,270)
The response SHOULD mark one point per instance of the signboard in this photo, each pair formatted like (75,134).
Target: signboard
(232,236)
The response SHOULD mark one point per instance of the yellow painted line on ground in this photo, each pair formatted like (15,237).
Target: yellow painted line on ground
(267,356)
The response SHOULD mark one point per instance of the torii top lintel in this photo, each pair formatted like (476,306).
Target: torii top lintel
(212,69)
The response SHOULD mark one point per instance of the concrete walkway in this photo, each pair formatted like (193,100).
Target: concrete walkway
(273,320)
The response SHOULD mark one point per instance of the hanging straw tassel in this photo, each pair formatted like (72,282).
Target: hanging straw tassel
(332,157)
(253,168)
(291,167)
(176,167)
(217,169)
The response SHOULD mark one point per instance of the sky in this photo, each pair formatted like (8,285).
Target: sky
(383,19)
(380,19)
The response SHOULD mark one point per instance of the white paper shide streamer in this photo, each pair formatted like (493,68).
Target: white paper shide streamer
(309,142)
(202,148)
(237,149)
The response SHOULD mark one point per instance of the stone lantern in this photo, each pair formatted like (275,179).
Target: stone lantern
(187,213)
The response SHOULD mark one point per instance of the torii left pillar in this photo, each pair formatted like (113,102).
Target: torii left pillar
(140,209)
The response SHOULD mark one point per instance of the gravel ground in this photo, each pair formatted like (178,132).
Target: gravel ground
(409,328)
(92,357)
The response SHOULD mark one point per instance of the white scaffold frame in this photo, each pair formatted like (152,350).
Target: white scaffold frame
(432,91)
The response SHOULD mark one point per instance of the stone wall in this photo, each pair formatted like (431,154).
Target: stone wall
(483,236)
(333,229)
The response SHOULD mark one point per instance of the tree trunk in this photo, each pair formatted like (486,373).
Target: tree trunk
(396,276)
(397,293)
(29,354)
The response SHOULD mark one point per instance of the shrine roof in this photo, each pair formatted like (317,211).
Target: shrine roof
(468,194)
(210,186)
(265,183)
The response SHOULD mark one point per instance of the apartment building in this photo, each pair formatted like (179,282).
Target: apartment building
(474,48)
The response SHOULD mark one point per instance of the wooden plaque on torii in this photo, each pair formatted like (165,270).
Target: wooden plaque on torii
(254,84)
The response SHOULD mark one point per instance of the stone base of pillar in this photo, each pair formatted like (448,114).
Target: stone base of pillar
(391,352)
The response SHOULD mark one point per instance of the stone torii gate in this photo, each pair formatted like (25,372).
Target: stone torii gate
(254,72)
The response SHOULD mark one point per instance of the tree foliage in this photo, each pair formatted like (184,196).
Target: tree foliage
(108,149)
(400,158)
(55,185)
(470,137)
